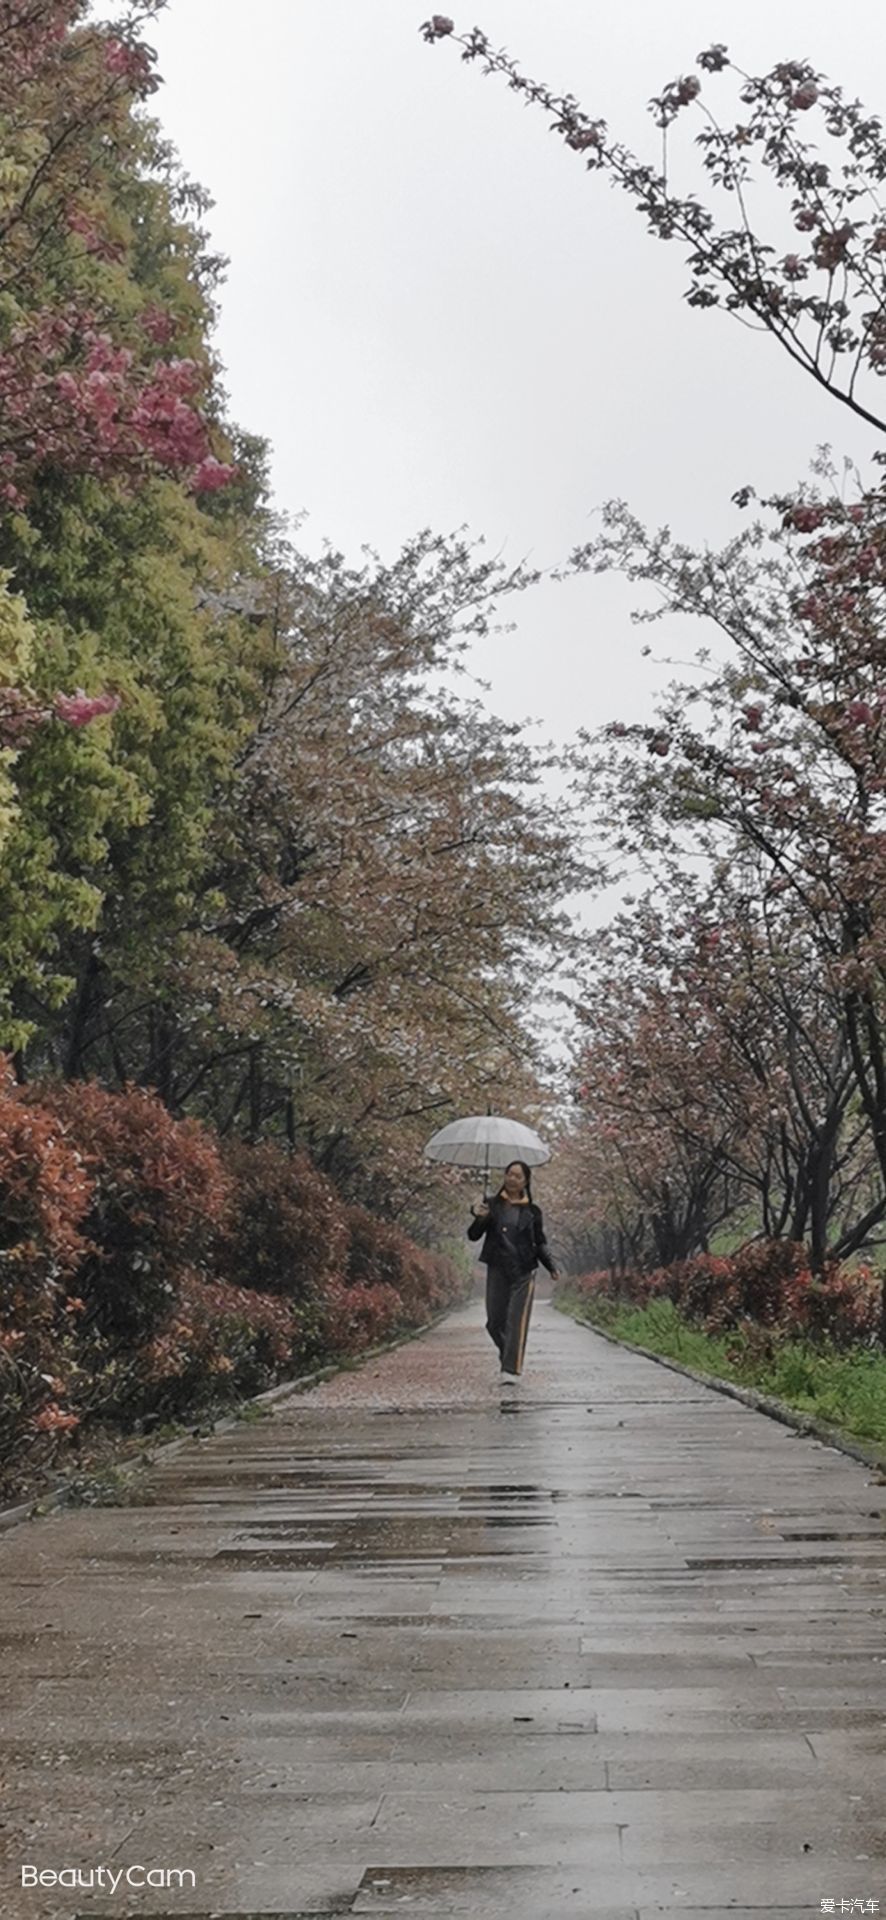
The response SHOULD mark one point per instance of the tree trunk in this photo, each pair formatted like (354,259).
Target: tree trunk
(74,1058)
(255,1094)
(161,1042)
(820,1169)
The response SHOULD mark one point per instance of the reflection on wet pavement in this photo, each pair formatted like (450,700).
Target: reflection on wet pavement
(615,1647)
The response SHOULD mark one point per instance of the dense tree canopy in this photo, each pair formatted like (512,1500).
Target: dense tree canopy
(257,850)
(260,852)
(732,1067)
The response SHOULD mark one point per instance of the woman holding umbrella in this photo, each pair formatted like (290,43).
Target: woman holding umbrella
(514,1242)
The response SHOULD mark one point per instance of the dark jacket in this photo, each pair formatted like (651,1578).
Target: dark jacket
(496,1251)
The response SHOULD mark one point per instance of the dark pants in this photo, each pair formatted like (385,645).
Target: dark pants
(508,1307)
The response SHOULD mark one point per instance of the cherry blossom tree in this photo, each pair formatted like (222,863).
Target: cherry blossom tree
(814,279)
(769,762)
(383,892)
(87,383)
(769,765)
(120,491)
(717,1066)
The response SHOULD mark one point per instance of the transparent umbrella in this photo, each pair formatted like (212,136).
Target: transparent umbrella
(485,1140)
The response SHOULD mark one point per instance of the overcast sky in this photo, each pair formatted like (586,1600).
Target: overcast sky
(436,316)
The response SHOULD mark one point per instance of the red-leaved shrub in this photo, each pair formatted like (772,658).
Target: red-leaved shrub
(159,1200)
(765,1285)
(842,1306)
(361,1316)
(761,1270)
(376,1250)
(143,1274)
(382,1255)
(44,1195)
(286,1229)
(218,1343)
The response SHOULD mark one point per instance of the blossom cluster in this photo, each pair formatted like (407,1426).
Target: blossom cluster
(70,395)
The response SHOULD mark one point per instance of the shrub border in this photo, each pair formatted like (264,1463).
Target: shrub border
(803,1423)
(138,1458)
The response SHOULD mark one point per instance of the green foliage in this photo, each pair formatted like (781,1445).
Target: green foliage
(110,838)
(103,830)
(107,1486)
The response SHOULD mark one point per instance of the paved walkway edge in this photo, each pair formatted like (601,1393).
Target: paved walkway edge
(139,1460)
(760,1402)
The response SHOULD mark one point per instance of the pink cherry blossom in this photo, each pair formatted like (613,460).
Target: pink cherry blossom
(211,474)
(79,709)
(159,324)
(71,395)
(130,63)
(584,137)
(806,518)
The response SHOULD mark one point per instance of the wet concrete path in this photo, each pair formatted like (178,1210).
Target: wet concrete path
(616,1647)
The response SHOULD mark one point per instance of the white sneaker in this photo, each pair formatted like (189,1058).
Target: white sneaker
(511,1378)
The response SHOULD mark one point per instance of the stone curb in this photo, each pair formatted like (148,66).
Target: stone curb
(803,1423)
(54,1498)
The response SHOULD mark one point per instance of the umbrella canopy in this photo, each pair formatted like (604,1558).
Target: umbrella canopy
(487,1139)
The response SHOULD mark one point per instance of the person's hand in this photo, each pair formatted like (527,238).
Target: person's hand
(479,1209)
